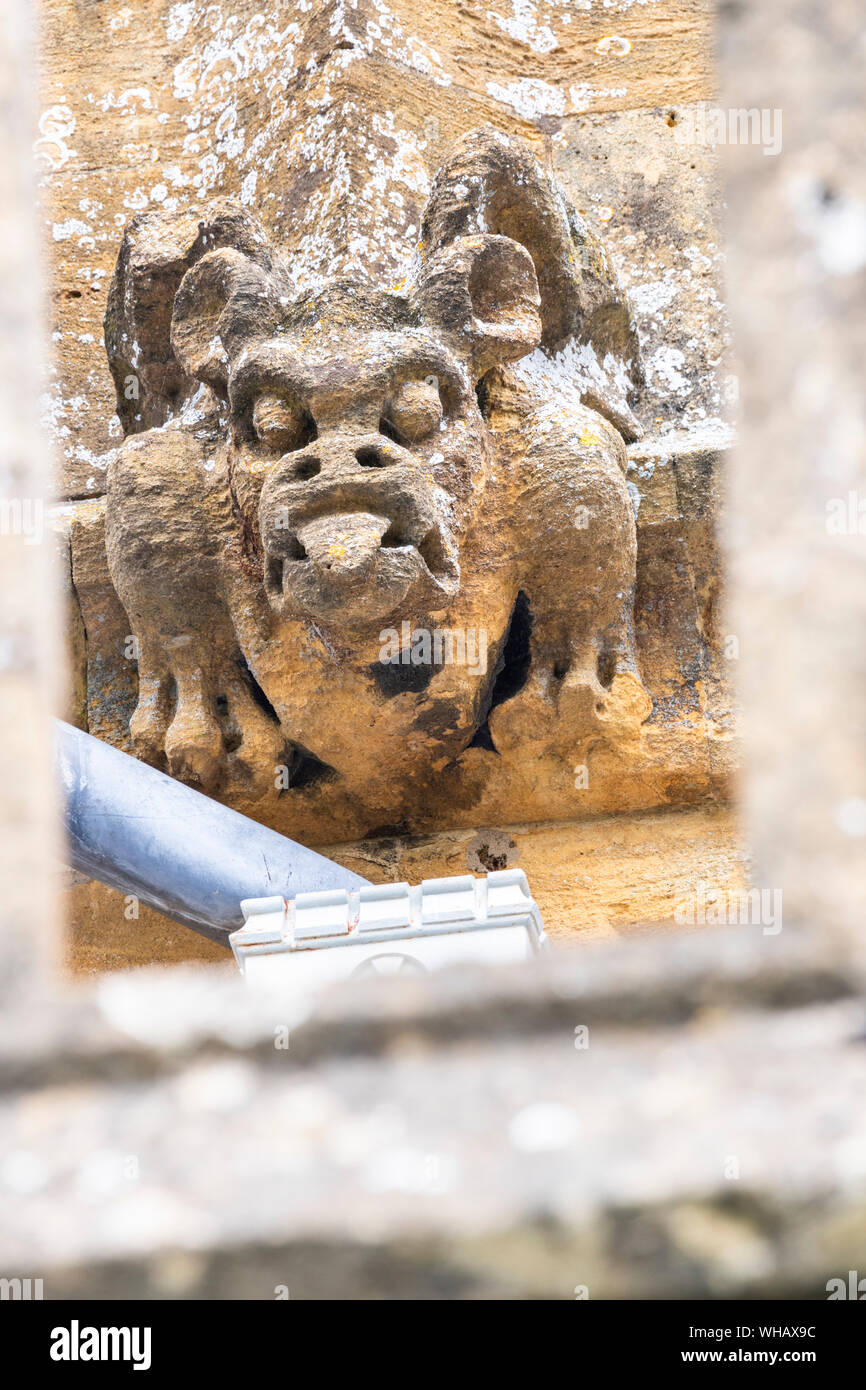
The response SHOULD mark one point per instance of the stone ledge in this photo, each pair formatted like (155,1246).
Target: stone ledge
(593,880)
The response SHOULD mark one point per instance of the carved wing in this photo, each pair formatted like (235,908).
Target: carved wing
(157,251)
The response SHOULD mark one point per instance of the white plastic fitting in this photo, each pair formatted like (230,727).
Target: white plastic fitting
(317,938)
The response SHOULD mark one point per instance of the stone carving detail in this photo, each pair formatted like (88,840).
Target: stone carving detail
(360,530)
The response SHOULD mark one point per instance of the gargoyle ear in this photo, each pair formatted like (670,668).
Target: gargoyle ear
(223,301)
(483,290)
(491,184)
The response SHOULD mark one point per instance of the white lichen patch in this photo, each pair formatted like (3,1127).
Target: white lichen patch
(529,97)
(73,226)
(523,24)
(664,372)
(56,125)
(561,379)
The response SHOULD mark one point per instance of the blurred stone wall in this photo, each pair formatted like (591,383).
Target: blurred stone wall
(32,651)
(797,246)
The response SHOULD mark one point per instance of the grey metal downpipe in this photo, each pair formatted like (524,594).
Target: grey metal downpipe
(175,849)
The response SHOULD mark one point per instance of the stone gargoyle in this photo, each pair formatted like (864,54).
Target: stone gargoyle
(360,531)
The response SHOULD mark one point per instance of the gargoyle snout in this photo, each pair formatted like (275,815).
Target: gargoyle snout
(347,474)
(345,459)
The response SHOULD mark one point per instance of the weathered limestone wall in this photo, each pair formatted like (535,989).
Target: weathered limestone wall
(329,121)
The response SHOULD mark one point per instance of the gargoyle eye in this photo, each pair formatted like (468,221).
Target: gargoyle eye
(414,410)
(282,425)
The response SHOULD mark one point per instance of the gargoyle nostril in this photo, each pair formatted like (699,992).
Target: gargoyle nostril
(370,456)
(394,538)
(305,469)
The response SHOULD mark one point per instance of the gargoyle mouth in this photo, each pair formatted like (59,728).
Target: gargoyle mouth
(360,564)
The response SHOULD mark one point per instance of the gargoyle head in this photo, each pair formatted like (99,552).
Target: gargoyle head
(358,454)
(356,436)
